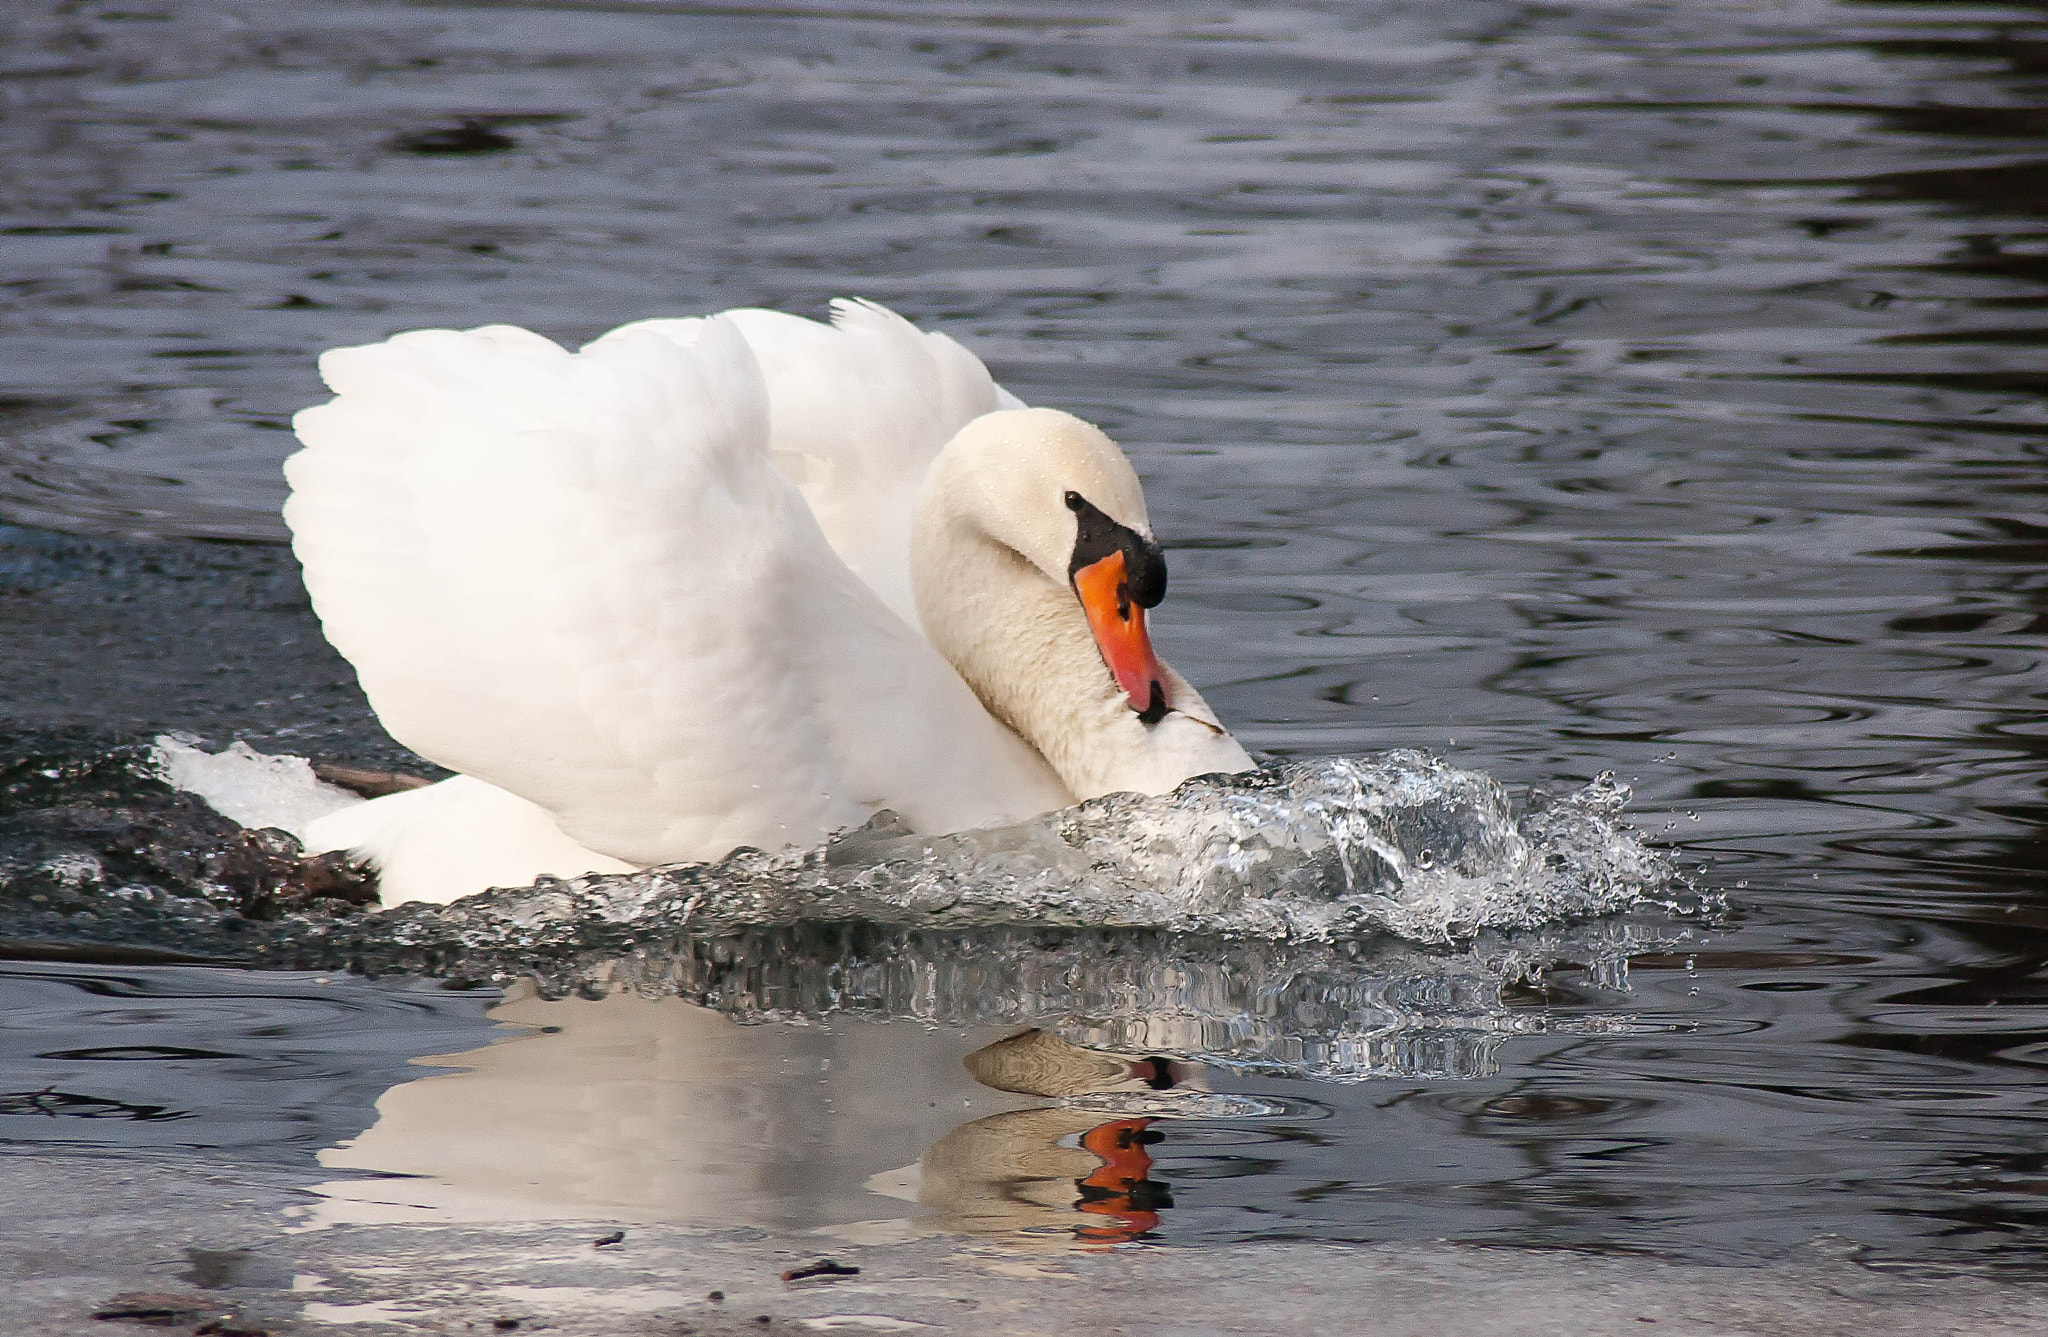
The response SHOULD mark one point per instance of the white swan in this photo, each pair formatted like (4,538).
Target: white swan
(716,582)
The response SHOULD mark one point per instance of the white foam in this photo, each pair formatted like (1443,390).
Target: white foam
(249,787)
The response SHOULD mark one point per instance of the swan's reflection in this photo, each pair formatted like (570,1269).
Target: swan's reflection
(652,1109)
(655,1110)
(905,1051)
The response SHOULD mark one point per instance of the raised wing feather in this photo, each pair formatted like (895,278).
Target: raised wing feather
(580,578)
(858,409)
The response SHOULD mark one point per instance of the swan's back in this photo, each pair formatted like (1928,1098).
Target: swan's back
(857,411)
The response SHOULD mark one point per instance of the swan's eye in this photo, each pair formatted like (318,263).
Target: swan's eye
(1096,536)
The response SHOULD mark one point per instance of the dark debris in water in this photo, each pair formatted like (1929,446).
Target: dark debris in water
(99,849)
(50,1103)
(161,1308)
(469,136)
(825,1267)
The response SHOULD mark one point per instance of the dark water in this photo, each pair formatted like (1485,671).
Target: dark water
(266,1069)
(1560,387)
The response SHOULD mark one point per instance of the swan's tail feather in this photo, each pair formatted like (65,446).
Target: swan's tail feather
(454,839)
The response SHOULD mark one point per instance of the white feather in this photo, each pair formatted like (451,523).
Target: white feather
(455,837)
(580,578)
(857,411)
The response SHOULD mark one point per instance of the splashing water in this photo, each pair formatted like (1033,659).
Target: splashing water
(248,787)
(1311,851)
(1304,851)
(1336,918)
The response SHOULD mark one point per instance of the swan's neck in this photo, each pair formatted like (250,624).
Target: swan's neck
(1023,644)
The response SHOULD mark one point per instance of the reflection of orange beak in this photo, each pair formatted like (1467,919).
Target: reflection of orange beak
(1119,627)
(1122,1190)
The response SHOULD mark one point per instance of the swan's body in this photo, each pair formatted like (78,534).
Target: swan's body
(698,586)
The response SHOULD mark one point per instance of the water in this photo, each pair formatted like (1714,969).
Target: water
(1560,389)
(264,1069)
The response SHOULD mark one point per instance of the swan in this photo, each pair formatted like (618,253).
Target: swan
(737,580)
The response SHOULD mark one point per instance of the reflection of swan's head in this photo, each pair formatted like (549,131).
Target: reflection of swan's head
(1039,1063)
(1033,564)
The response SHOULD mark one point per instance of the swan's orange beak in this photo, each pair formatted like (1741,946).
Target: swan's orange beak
(1119,627)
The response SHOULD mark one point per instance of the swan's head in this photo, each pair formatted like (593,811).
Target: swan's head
(1060,495)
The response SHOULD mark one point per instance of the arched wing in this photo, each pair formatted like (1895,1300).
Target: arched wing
(857,410)
(579,577)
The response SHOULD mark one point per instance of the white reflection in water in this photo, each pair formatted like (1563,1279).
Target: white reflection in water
(874,1110)
(655,1110)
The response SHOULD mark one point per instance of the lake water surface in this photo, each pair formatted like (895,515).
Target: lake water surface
(1562,388)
